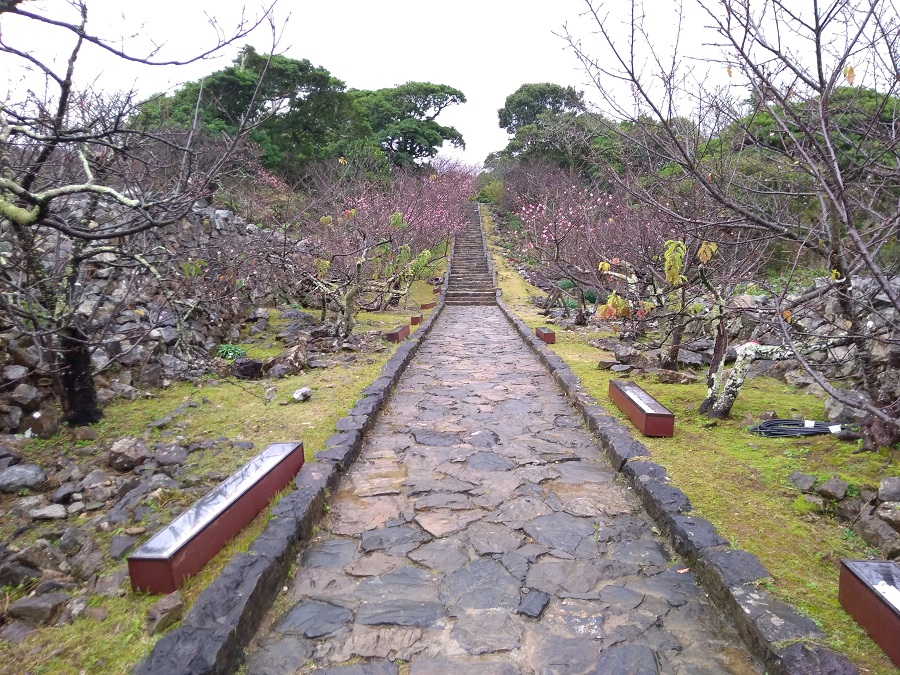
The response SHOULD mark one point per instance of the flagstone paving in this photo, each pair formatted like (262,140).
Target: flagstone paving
(482,531)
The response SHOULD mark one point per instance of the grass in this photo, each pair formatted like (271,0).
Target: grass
(225,408)
(740,482)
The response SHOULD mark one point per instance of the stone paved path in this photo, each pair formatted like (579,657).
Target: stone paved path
(481,531)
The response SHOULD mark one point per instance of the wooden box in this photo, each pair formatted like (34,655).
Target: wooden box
(398,334)
(870,592)
(645,412)
(545,334)
(181,549)
(416,319)
(428,305)
(437,289)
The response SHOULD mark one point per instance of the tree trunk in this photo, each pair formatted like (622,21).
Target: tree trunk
(669,357)
(79,395)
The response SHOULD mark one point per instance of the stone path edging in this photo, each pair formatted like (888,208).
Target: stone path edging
(213,634)
(773,630)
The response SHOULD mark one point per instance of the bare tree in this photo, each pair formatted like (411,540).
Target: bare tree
(82,189)
(797,144)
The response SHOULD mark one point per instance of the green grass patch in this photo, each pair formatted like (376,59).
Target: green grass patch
(740,481)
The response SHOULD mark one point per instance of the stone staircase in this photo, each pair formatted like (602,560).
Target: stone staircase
(471,281)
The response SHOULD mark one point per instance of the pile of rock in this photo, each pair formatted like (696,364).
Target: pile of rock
(873,514)
(68,509)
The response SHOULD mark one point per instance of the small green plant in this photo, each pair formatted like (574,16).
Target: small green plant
(565,284)
(590,295)
(231,352)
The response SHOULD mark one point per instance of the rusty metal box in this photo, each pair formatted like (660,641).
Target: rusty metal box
(645,412)
(398,334)
(181,549)
(545,334)
(870,592)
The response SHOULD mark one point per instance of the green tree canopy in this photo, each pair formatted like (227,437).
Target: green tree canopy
(523,106)
(300,111)
(402,119)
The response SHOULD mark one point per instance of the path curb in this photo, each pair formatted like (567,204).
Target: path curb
(775,632)
(220,624)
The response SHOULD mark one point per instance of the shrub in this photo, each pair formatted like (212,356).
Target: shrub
(565,284)
(231,352)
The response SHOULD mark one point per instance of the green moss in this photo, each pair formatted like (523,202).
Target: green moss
(739,481)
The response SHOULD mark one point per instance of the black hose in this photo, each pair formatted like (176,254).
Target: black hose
(786,428)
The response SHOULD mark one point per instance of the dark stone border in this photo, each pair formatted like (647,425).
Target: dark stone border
(220,624)
(784,640)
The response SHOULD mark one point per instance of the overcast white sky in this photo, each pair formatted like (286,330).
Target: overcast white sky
(486,48)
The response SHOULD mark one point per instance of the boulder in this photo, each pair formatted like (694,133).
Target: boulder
(889,512)
(21,477)
(834,488)
(164,613)
(302,394)
(246,369)
(27,396)
(889,490)
(38,609)
(844,413)
(127,453)
(42,423)
(676,377)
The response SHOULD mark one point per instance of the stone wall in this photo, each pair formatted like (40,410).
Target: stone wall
(129,315)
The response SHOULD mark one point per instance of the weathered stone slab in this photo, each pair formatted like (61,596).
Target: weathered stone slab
(482,584)
(444,555)
(441,522)
(313,619)
(486,631)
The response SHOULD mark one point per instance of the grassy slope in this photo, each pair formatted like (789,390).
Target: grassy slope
(236,410)
(739,481)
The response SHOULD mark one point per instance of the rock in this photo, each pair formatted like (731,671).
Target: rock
(302,394)
(170,455)
(246,369)
(27,396)
(42,555)
(889,512)
(846,414)
(42,423)
(87,561)
(606,364)
(72,540)
(51,512)
(630,356)
(13,373)
(120,545)
(834,488)
(676,377)
(21,477)
(127,453)
(621,368)
(38,609)
(878,533)
(810,659)
(164,613)
(14,573)
(627,658)
(490,461)
(289,362)
(313,619)
(150,376)
(75,609)
(889,489)
(110,585)
(533,604)
(802,481)
(8,457)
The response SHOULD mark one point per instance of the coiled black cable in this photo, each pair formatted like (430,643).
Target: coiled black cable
(785,428)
